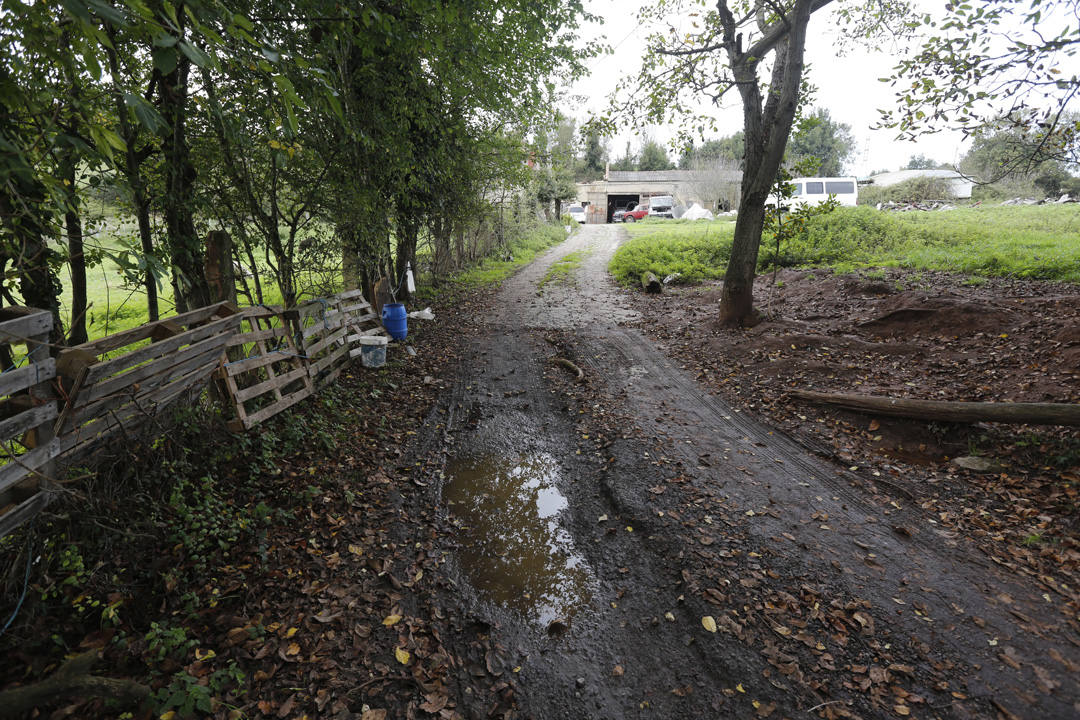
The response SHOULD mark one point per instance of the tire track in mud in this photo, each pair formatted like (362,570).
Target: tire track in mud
(831,531)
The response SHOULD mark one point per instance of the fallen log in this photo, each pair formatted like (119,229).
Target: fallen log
(947,410)
(651,283)
(571,366)
(73,679)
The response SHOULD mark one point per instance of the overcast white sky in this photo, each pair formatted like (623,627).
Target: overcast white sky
(848,86)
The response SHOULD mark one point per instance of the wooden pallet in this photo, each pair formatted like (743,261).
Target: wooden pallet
(264,371)
(362,320)
(120,382)
(28,409)
(329,329)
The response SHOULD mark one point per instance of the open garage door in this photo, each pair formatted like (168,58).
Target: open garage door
(618,202)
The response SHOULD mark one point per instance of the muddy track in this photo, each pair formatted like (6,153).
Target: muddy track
(691,508)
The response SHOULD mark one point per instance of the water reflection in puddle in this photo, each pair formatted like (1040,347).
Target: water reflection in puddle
(512,546)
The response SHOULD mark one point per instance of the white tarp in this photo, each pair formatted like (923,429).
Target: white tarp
(696,212)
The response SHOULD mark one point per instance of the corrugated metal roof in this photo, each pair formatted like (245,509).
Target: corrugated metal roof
(898,176)
(646,176)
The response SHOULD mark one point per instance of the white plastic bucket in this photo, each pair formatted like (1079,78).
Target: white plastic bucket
(373,351)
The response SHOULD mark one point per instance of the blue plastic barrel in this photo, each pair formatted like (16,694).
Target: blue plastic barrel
(395,321)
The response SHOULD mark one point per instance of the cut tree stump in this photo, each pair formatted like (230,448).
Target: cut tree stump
(651,283)
(73,679)
(947,410)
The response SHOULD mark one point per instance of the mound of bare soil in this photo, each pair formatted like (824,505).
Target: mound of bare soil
(915,335)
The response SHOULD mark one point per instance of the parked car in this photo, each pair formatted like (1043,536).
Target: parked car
(638,213)
(577,212)
(660,206)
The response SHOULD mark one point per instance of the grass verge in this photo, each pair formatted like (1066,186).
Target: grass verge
(1037,242)
(560,270)
(497,268)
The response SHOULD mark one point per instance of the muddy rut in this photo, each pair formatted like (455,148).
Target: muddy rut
(594,524)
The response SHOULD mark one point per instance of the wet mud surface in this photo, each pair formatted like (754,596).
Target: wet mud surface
(631,545)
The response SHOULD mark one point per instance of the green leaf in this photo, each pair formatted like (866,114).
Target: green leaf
(195,54)
(270,55)
(164,40)
(164,59)
(108,12)
(77,10)
(146,113)
(243,22)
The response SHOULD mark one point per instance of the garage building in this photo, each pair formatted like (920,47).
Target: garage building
(716,190)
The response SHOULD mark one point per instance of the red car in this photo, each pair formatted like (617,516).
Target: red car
(636,214)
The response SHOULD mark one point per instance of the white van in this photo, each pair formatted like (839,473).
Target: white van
(661,206)
(816,190)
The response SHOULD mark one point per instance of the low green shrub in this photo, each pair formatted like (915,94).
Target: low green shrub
(920,189)
(696,251)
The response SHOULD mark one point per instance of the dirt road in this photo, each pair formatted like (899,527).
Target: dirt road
(631,546)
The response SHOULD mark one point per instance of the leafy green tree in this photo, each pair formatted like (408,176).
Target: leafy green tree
(728,149)
(1006,64)
(723,50)
(921,162)
(595,157)
(1002,155)
(822,139)
(653,156)
(628,161)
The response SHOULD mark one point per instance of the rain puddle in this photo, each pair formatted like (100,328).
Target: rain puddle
(512,546)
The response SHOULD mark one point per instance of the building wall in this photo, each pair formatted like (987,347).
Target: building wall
(595,194)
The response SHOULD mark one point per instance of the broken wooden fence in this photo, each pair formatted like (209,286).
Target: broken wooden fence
(264,372)
(121,382)
(28,410)
(267,359)
(330,329)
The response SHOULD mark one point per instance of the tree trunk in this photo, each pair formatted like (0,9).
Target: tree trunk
(184,245)
(72,679)
(765,129)
(406,255)
(25,218)
(949,411)
(131,169)
(76,256)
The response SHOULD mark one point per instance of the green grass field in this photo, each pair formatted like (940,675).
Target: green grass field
(116,303)
(1038,242)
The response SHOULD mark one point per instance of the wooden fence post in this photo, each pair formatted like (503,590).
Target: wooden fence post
(218,267)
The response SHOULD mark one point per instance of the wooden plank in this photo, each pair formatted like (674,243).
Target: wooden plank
(271,410)
(331,324)
(256,335)
(18,330)
(318,366)
(19,467)
(81,439)
(144,332)
(321,344)
(272,356)
(348,295)
(949,410)
(278,381)
(14,381)
(262,312)
(16,426)
(112,385)
(357,307)
(364,318)
(208,359)
(364,333)
(158,349)
(23,512)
